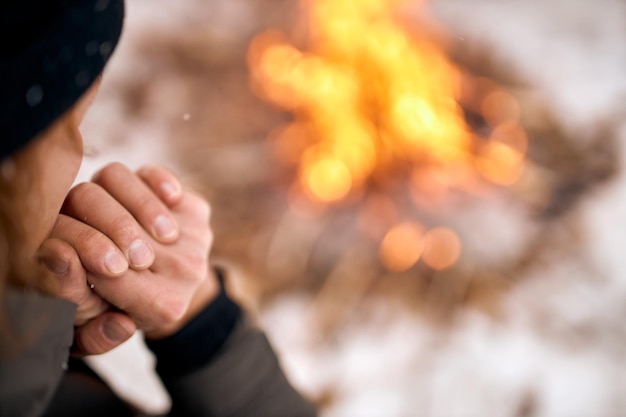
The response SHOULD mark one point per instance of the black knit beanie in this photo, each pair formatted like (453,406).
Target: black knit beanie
(51,52)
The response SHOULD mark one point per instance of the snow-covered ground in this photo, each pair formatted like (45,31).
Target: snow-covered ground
(558,349)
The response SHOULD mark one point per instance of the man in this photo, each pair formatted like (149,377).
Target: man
(126,251)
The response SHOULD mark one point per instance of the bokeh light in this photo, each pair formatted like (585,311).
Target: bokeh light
(402,246)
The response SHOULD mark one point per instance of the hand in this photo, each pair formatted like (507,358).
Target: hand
(99,330)
(163,295)
(115,211)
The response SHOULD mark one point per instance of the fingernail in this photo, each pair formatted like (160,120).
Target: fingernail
(170,190)
(114,331)
(115,262)
(164,227)
(140,254)
(57,265)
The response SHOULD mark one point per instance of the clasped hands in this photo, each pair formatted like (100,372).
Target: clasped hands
(131,250)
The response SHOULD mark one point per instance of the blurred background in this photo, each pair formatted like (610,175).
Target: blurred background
(421,202)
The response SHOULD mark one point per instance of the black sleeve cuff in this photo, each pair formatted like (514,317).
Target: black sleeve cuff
(196,344)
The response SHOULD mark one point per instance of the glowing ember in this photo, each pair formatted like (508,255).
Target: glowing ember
(372,103)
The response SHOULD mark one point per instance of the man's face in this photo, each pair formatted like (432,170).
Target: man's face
(56,156)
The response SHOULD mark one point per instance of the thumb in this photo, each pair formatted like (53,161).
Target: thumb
(103,333)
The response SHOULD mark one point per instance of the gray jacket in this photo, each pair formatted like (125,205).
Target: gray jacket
(242,379)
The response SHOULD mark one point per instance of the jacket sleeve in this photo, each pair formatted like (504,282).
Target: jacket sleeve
(34,349)
(221,365)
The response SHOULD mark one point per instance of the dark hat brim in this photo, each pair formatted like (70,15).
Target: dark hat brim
(42,80)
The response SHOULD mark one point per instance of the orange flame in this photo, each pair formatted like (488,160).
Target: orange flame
(371,100)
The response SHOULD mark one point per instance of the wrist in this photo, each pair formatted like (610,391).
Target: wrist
(199,341)
(204,295)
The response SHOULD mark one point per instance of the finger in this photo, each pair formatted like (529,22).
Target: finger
(97,252)
(105,332)
(193,213)
(150,299)
(193,207)
(140,200)
(157,298)
(63,261)
(162,182)
(94,206)
(194,244)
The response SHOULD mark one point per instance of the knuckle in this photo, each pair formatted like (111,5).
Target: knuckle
(80,196)
(71,293)
(197,264)
(80,191)
(202,209)
(112,174)
(110,171)
(197,205)
(92,238)
(170,311)
(122,228)
(147,201)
